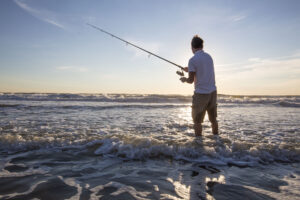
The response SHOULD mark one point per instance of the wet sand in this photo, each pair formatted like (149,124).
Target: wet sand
(61,175)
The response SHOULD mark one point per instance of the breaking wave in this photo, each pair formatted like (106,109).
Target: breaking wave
(218,150)
(284,101)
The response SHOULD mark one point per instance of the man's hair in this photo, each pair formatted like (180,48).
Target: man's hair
(197,42)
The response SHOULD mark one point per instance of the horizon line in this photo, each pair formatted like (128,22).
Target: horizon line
(248,95)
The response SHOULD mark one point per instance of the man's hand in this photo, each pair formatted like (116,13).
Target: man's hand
(183,79)
(190,79)
(186,69)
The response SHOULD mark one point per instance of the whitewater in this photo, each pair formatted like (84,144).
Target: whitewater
(126,146)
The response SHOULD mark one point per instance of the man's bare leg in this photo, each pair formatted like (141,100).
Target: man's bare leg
(198,129)
(212,116)
(215,128)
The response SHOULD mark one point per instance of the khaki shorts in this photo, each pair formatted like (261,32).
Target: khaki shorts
(203,103)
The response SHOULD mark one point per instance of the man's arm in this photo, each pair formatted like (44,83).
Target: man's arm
(190,79)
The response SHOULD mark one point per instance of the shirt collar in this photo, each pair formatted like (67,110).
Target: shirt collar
(199,51)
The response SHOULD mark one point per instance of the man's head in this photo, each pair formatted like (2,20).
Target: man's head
(197,43)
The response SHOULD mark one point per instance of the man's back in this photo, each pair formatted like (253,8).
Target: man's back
(202,64)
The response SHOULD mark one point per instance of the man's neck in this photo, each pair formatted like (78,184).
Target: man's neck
(196,50)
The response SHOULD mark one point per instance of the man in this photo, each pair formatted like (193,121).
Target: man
(201,72)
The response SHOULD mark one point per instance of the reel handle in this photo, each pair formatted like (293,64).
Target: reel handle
(180,73)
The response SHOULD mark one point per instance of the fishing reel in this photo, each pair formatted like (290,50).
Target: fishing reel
(180,73)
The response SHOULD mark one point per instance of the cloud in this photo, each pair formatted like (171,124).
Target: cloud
(277,63)
(277,75)
(72,68)
(237,18)
(54,23)
(44,15)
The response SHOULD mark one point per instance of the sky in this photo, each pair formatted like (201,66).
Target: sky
(46,46)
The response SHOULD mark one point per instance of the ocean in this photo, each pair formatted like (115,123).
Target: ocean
(122,146)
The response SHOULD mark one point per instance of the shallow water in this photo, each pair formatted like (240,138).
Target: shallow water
(142,147)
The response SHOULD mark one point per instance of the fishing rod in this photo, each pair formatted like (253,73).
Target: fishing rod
(180,73)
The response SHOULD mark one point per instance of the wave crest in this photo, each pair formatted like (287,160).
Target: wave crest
(216,150)
(285,101)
